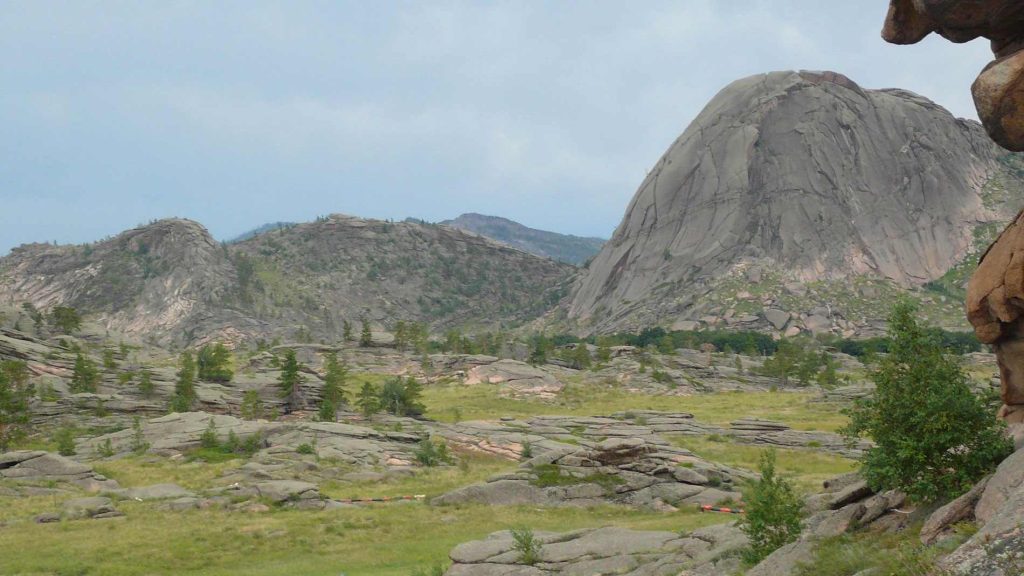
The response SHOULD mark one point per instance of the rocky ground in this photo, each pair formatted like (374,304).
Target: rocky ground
(626,459)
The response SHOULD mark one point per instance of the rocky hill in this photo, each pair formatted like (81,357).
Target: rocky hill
(170,281)
(562,247)
(801,195)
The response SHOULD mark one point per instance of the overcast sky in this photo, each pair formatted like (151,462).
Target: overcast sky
(240,113)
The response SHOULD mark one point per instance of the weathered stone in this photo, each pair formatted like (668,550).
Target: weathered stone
(93,507)
(777,318)
(961,508)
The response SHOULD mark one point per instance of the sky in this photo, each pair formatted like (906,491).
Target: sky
(234,114)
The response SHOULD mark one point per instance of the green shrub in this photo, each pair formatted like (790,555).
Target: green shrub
(84,376)
(305,449)
(524,542)
(527,451)
(209,438)
(773,511)
(933,437)
(106,449)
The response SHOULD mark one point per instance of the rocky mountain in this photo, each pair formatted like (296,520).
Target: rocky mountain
(170,281)
(562,247)
(803,196)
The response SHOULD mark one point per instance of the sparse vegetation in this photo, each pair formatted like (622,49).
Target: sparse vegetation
(15,394)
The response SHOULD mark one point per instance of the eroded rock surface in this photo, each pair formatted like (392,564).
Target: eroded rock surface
(995,306)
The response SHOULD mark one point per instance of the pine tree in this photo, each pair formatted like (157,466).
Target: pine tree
(581,356)
(335,376)
(368,400)
(214,363)
(346,331)
(15,394)
(185,386)
(365,337)
(290,381)
(146,383)
(66,319)
(252,405)
(84,376)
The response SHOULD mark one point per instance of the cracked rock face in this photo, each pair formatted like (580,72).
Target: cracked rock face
(999,89)
(802,170)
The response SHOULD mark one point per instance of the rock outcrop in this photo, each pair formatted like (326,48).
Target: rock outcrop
(801,173)
(630,471)
(999,89)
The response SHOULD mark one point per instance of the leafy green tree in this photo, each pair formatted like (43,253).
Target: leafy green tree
(15,394)
(214,363)
(84,376)
(185,386)
(290,381)
(933,437)
(773,511)
(66,319)
(368,400)
(365,336)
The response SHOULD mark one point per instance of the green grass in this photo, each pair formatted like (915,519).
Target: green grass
(483,402)
(146,470)
(806,468)
(431,482)
(384,540)
(551,475)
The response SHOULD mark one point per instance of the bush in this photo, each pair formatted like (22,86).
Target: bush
(305,449)
(139,444)
(524,542)
(106,449)
(933,437)
(773,510)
